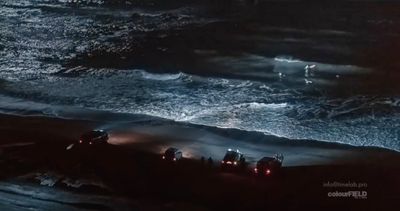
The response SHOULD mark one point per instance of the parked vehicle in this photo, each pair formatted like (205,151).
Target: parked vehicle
(93,137)
(172,154)
(268,166)
(233,159)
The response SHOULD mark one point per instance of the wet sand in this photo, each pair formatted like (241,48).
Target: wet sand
(137,178)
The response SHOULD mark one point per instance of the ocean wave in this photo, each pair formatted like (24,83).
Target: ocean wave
(341,109)
(135,73)
(268,118)
(256,105)
(286,69)
(160,77)
(289,65)
(362,106)
(226,82)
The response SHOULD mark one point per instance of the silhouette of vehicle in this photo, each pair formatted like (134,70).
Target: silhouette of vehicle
(268,166)
(172,154)
(233,159)
(94,137)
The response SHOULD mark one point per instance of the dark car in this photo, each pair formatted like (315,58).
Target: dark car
(93,137)
(267,166)
(172,154)
(233,158)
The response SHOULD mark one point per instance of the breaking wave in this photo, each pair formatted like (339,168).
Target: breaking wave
(133,61)
(219,102)
(161,77)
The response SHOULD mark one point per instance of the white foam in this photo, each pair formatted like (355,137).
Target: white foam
(159,77)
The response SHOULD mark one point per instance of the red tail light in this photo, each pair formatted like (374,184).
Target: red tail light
(267,172)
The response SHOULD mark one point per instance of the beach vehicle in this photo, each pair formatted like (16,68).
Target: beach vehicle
(172,154)
(93,137)
(233,159)
(268,166)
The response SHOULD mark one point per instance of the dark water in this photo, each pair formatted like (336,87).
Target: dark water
(299,70)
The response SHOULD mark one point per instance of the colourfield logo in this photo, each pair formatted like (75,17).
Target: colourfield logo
(348,194)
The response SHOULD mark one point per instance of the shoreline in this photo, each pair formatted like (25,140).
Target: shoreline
(134,174)
(153,135)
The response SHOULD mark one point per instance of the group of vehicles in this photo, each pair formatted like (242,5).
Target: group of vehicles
(233,159)
(266,166)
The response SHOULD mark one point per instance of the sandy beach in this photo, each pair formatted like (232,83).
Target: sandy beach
(130,169)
